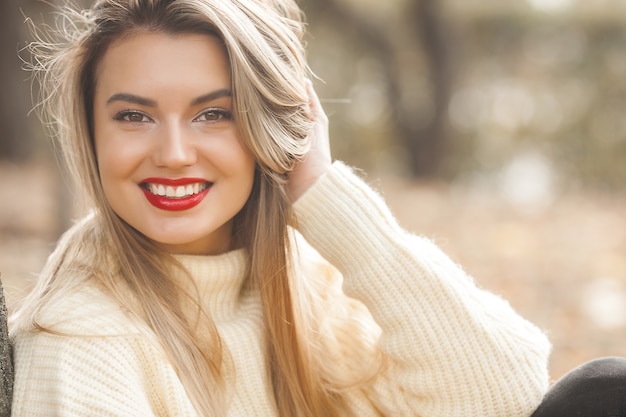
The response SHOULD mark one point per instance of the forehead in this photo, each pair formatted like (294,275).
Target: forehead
(147,61)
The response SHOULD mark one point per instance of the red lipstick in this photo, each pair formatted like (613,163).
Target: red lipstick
(155,189)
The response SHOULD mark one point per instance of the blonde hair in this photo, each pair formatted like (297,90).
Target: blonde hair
(263,40)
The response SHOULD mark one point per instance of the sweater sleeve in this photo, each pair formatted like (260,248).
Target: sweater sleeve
(452,349)
(72,376)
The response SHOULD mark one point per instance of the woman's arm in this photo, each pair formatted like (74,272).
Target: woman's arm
(453,349)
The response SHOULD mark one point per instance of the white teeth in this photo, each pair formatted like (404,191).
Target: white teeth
(176,192)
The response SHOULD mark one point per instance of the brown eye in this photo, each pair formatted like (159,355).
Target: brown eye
(132,117)
(135,117)
(214,115)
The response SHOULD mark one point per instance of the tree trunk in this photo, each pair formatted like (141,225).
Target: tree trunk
(6,364)
(16,142)
(427,144)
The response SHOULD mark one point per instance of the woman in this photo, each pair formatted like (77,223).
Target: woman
(192,287)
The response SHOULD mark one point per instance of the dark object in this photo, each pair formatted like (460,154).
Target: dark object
(6,364)
(595,389)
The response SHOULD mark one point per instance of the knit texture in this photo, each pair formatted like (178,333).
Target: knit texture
(451,348)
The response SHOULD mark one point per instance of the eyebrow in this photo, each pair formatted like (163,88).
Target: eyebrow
(131,98)
(143,101)
(214,95)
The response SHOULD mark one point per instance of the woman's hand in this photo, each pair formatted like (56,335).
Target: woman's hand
(318,159)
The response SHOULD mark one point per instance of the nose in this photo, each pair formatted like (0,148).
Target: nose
(175,148)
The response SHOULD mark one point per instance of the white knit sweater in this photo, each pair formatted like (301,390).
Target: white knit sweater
(452,349)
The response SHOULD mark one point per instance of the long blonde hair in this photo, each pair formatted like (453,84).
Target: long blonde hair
(263,40)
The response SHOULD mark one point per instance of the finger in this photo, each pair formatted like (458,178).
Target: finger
(317,111)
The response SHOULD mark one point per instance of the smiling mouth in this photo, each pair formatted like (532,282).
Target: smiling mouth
(176,192)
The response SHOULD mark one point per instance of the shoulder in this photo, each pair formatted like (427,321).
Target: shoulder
(349,334)
(86,311)
(323,281)
(72,374)
(319,275)
(87,354)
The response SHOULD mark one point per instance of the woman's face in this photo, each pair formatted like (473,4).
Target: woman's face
(171,161)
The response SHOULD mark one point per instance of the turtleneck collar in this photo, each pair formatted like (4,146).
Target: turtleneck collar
(219,279)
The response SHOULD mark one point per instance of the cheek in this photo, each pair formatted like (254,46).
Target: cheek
(231,158)
(247,168)
(242,172)
(110,164)
(116,152)
(105,151)
(117,168)
(118,157)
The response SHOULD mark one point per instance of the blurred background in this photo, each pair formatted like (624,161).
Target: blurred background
(495,127)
